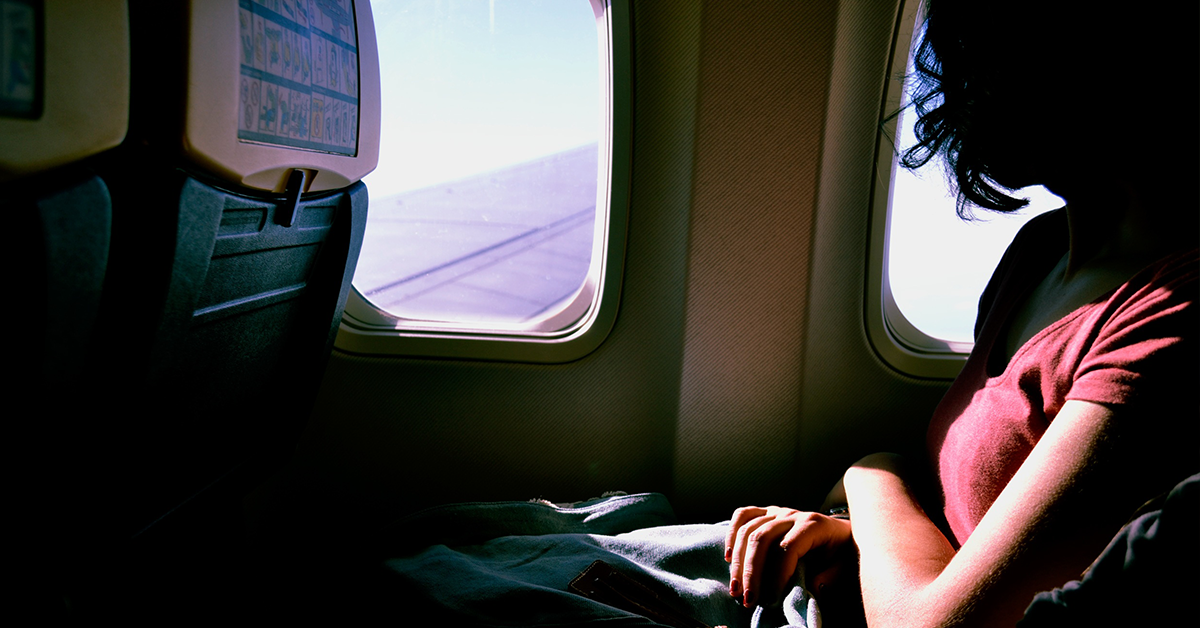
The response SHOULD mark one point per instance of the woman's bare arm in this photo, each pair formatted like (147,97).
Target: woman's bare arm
(1065,502)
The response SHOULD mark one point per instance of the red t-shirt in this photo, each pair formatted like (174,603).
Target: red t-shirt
(1135,346)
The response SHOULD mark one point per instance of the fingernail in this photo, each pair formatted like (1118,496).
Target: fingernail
(735,588)
(728,555)
(748,600)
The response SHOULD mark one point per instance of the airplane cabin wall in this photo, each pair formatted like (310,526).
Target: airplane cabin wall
(738,370)
(853,403)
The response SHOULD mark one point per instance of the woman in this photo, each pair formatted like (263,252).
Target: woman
(1079,401)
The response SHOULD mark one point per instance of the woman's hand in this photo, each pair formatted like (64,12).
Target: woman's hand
(764,545)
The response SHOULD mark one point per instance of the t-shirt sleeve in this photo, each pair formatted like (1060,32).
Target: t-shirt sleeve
(1146,351)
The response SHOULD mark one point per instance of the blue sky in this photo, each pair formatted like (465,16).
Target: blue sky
(474,85)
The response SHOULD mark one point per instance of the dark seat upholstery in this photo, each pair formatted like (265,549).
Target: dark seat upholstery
(215,349)
(219,307)
(1146,576)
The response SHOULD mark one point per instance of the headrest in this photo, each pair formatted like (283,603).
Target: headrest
(64,82)
(277,86)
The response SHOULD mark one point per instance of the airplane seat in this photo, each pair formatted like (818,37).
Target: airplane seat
(64,98)
(64,101)
(238,212)
(1149,565)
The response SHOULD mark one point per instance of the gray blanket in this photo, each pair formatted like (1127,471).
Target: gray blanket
(510,563)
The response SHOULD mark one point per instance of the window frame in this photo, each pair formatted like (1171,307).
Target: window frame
(577,328)
(897,341)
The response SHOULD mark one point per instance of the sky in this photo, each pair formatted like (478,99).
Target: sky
(470,86)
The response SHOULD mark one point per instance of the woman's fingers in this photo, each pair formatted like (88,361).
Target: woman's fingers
(737,556)
(753,532)
(741,516)
(758,548)
(755,567)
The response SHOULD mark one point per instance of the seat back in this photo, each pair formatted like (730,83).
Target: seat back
(234,241)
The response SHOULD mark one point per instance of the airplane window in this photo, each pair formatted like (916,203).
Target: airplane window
(505,137)
(484,205)
(928,266)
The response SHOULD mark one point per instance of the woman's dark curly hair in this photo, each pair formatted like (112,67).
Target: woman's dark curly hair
(1011,87)
(941,98)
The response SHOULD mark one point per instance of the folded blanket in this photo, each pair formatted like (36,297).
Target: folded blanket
(510,564)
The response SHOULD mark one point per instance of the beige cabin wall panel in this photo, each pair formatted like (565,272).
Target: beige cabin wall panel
(764,73)
(400,433)
(853,404)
